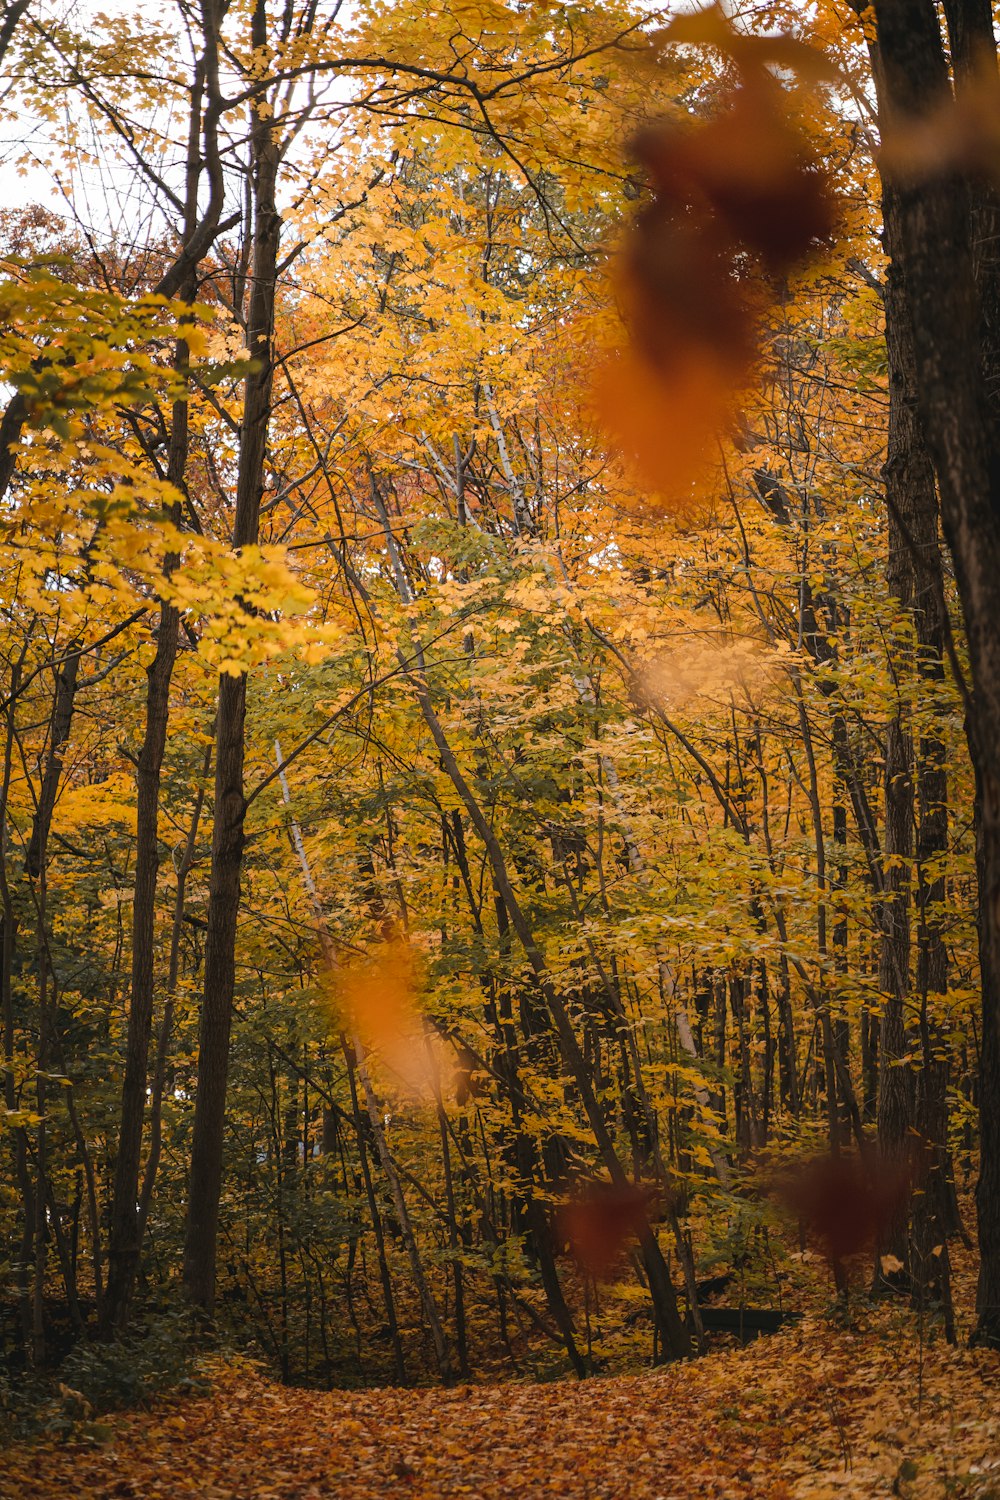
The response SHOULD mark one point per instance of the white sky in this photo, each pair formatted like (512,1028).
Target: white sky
(30,167)
(106,195)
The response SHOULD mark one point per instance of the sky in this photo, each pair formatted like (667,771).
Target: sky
(105,194)
(30,172)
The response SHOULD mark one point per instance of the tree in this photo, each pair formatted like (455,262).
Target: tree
(338,640)
(954,355)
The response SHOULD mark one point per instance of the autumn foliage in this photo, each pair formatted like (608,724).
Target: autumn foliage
(488,832)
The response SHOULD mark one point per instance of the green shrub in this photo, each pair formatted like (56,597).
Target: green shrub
(158,1355)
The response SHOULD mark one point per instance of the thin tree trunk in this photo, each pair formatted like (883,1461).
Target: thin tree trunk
(373,1208)
(128,1217)
(19,1138)
(166,1023)
(60,724)
(376,1121)
(124,1233)
(427,1301)
(230,807)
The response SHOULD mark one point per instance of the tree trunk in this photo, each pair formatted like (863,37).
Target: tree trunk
(230,808)
(392,1323)
(129,1207)
(19,1137)
(60,724)
(935,255)
(903,474)
(166,1024)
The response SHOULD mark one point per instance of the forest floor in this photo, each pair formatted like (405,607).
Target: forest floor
(813,1411)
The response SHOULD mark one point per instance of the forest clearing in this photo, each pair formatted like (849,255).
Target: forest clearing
(499,748)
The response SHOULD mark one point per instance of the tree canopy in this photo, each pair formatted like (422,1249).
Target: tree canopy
(499,678)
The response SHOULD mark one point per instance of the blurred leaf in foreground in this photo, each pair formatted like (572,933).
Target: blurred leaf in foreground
(738,201)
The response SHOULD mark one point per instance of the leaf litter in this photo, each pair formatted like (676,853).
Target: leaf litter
(812,1412)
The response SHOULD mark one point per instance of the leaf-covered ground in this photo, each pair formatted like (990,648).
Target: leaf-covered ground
(810,1412)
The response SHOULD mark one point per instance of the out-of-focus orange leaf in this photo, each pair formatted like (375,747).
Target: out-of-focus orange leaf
(375,996)
(597,1226)
(708,27)
(711,27)
(749,179)
(846,1203)
(962,134)
(664,421)
(738,201)
(377,993)
(681,302)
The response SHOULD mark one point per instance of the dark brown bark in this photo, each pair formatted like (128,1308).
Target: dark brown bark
(12,15)
(909,481)
(217,998)
(12,425)
(451,1208)
(60,724)
(839,935)
(935,255)
(128,1216)
(123,1239)
(230,806)
(19,1138)
(166,1023)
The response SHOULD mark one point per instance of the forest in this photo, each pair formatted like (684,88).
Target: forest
(499,748)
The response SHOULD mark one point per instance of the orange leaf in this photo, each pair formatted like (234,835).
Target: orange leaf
(847,1203)
(598,1227)
(666,422)
(738,201)
(377,995)
(377,992)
